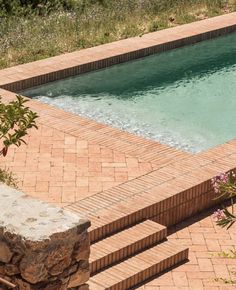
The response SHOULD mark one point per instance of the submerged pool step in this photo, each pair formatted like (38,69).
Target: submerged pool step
(125,244)
(140,267)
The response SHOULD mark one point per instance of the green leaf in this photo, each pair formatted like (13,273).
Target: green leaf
(18,118)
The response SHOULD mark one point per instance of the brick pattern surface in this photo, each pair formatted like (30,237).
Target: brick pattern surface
(166,195)
(125,244)
(142,266)
(59,168)
(205,241)
(70,158)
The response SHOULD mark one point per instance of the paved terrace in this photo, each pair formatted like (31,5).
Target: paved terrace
(205,241)
(113,177)
(70,158)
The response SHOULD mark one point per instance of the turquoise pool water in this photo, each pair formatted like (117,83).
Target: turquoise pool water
(185,97)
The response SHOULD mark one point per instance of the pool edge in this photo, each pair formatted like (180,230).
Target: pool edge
(36,73)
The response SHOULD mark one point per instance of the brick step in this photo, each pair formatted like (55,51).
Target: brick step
(167,204)
(140,267)
(125,244)
(124,214)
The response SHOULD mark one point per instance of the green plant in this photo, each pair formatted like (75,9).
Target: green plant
(224,186)
(226,281)
(15,120)
(67,25)
(7,177)
(42,7)
(231,254)
(154,26)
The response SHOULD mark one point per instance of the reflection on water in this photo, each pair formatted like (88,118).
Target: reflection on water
(185,97)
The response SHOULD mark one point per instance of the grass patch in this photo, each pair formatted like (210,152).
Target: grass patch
(7,177)
(226,281)
(31,34)
(231,254)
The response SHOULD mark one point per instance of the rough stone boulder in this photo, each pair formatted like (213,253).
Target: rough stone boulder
(41,246)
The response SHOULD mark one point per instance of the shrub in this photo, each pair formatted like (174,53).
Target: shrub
(18,7)
(7,177)
(15,120)
(224,186)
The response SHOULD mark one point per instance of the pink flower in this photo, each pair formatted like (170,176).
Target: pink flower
(218,180)
(219,215)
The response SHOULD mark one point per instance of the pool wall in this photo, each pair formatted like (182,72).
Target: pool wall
(59,67)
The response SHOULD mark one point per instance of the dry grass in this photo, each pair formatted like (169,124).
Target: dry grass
(33,37)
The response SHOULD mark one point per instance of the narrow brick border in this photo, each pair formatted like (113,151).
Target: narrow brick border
(167,195)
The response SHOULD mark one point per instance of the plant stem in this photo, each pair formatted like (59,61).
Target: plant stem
(232,204)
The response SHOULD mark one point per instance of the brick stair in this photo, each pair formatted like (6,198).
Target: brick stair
(139,267)
(167,196)
(133,255)
(125,244)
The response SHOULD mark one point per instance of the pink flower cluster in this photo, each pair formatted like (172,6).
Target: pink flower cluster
(218,180)
(219,215)
(224,186)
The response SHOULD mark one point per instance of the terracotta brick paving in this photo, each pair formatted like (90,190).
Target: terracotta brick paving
(62,167)
(205,241)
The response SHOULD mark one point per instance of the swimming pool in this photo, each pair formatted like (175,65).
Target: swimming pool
(184,97)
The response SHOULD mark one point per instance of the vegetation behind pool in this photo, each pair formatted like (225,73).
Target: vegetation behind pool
(67,25)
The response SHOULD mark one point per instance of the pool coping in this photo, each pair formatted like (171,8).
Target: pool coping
(39,72)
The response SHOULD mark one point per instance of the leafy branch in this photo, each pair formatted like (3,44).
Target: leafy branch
(224,185)
(15,121)
(228,220)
